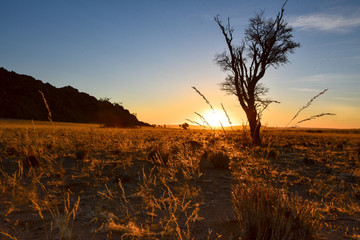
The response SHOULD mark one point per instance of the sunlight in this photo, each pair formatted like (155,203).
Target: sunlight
(214,118)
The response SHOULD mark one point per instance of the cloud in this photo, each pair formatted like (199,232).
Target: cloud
(325,22)
(319,78)
(331,77)
(348,98)
(306,89)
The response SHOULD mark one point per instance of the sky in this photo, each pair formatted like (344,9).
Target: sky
(147,55)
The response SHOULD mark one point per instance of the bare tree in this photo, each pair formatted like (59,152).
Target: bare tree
(266,43)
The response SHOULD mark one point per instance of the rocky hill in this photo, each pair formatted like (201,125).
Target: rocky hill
(20,98)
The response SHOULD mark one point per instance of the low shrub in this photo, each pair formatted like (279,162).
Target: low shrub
(219,159)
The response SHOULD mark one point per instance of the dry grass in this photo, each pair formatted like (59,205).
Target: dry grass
(175,184)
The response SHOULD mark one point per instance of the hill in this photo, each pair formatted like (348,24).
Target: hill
(20,98)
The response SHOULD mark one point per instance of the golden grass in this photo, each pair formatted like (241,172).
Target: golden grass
(150,183)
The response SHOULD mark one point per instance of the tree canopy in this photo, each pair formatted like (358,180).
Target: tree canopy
(266,43)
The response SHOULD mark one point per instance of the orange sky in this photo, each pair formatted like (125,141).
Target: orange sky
(175,111)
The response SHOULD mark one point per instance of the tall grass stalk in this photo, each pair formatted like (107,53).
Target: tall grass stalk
(203,119)
(7,235)
(315,116)
(227,116)
(306,106)
(49,111)
(212,108)
(47,107)
(203,96)
(194,122)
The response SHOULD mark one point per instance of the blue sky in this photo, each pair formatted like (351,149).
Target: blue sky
(147,54)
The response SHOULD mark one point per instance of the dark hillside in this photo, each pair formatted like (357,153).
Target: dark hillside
(20,98)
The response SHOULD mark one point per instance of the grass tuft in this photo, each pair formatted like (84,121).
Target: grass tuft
(159,155)
(267,213)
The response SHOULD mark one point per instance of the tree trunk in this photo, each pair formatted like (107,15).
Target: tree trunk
(255,126)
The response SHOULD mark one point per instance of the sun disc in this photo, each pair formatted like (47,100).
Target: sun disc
(214,118)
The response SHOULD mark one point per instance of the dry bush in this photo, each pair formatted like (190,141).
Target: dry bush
(267,213)
(218,158)
(159,155)
(81,154)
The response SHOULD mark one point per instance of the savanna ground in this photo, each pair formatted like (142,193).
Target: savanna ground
(68,181)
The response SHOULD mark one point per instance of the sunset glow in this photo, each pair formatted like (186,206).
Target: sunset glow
(214,118)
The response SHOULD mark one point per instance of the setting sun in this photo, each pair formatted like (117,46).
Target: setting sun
(215,117)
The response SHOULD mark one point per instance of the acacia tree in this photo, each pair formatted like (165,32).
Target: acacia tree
(266,43)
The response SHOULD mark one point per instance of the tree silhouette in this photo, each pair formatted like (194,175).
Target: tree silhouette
(266,43)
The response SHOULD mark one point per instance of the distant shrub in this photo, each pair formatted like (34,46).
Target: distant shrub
(267,213)
(184,126)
